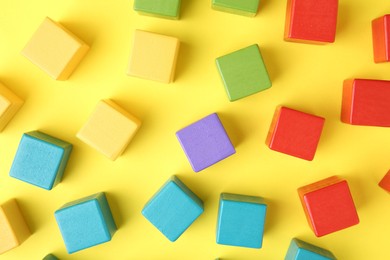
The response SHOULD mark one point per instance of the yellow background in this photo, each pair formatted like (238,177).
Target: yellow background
(305,77)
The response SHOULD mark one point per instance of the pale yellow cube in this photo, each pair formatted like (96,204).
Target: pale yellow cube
(55,50)
(9,105)
(153,56)
(109,129)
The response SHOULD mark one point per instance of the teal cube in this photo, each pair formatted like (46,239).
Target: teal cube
(300,250)
(85,222)
(159,8)
(243,72)
(241,7)
(50,257)
(241,220)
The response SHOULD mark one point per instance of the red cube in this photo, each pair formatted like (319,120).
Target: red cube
(385,182)
(381,38)
(295,133)
(328,206)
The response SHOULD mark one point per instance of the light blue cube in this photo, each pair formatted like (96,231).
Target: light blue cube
(300,250)
(85,222)
(173,208)
(40,160)
(241,220)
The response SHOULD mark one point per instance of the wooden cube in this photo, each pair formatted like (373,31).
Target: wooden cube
(381,38)
(159,8)
(385,182)
(300,250)
(241,7)
(9,105)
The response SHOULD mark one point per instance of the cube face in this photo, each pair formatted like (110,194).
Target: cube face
(241,220)
(385,182)
(295,133)
(9,105)
(40,160)
(243,72)
(381,38)
(50,257)
(109,129)
(311,21)
(242,7)
(85,222)
(205,142)
(153,56)
(173,209)
(300,250)
(55,50)
(159,8)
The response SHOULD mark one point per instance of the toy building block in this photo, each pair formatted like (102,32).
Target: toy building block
(300,250)
(205,142)
(311,21)
(295,133)
(50,257)
(109,129)
(55,50)
(9,105)
(40,160)
(381,38)
(243,72)
(173,209)
(85,222)
(153,56)
(159,8)
(328,205)
(366,102)
(385,182)
(241,220)
(242,7)
(14,229)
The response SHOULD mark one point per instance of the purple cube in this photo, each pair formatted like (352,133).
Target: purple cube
(205,142)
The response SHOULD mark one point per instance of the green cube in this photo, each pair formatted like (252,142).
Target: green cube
(50,257)
(243,72)
(159,8)
(241,7)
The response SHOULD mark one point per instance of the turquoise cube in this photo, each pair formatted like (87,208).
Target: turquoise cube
(85,222)
(300,250)
(241,220)
(159,8)
(173,208)
(40,160)
(50,257)
(241,7)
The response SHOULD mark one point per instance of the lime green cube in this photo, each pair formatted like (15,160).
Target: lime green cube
(159,8)
(241,7)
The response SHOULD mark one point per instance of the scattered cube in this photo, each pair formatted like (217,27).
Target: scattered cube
(328,205)
(205,142)
(241,220)
(55,50)
(40,160)
(311,21)
(381,38)
(173,209)
(9,105)
(14,229)
(366,102)
(85,222)
(242,7)
(160,8)
(295,133)
(385,182)
(153,57)
(300,250)
(109,129)
(50,257)
(243,72)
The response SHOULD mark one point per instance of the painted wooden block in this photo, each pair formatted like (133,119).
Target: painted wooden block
(55,50)
(311,21)
(243,72)
(295,133)
(50,257)
(328,205)
(241,220)
(40,159)
(242,7)
(109,129)
(205,142)
(86,222)
(381,38)
(366,102)
(9,105)
(385,182)
(159,8)
(14,229)
(300,250)
(153,56)
(173,208)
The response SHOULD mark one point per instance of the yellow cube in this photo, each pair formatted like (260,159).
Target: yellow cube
(9,105)
(13,227)
(55,50)
(109,129)
(153,56)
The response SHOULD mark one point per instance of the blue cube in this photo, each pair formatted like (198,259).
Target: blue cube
(85,222)
(40,159)
(241,220)
(300,250)
(173,208)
